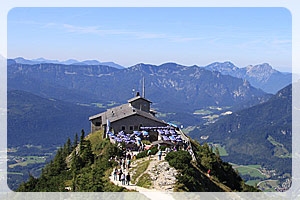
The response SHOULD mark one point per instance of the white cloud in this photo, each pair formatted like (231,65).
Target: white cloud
(50,24)
(281,42)
(138,34)
(98,30)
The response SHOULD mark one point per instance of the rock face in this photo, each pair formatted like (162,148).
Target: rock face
(262,76)
(163,176)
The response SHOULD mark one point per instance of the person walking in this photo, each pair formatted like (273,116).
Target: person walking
(115,174)
(167,150)
(123,179)
(120,174)
(149,153)
(159,154)
(128,178)
(129,156)
(128,164)
(124,164)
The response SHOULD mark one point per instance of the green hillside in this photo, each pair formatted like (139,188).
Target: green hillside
(85,171)
(89,169)
(260,135)
(35,120)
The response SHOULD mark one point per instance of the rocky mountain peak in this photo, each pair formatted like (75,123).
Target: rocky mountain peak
(224,67)
(265,67)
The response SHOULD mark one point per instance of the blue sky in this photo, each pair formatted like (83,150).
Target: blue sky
(129,36)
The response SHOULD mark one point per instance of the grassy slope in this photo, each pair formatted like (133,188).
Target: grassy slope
(141,168)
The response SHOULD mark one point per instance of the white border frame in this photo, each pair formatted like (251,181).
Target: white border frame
(292,5)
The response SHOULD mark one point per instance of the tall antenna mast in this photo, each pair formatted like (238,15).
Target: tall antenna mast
(143,87)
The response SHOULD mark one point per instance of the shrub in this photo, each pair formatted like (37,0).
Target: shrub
(143,154)
(163,148)
(179,159)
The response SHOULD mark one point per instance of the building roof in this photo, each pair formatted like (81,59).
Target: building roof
(114,112)
(123,111)
(161,142)
(138,97)
(149,116)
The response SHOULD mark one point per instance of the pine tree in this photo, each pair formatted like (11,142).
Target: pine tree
(218,157)
(65,150)
(75,141)
(82,135)
(81,140)
(217,152)
(87,154)
(74,162)
(29,185)
(69,146)
(74,188)
(59,163)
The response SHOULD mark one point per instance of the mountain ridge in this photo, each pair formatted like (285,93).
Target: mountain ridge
(262,76)
(42,60)
(186,85)
(39,121)
(261,134)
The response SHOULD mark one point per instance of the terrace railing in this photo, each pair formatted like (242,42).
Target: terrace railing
(187,140)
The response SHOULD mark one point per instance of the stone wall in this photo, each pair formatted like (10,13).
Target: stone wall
(96,124)
(134,122)
(141,104)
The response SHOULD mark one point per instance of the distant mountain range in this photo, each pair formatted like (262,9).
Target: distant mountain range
(173,88)
(261,76)
(47,102)
(170,86)
(40,121)
(22,60)
(261,134)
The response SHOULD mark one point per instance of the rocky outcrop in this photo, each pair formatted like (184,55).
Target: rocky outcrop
(262,76)
(163,176)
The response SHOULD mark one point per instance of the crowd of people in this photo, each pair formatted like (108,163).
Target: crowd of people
(122,176)
(121,172)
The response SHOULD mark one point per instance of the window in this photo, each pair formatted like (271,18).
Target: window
(136,128)
(131,128)
(141,125)
(123,128)
(98,123)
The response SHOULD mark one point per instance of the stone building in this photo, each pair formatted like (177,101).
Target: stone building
(127,117)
